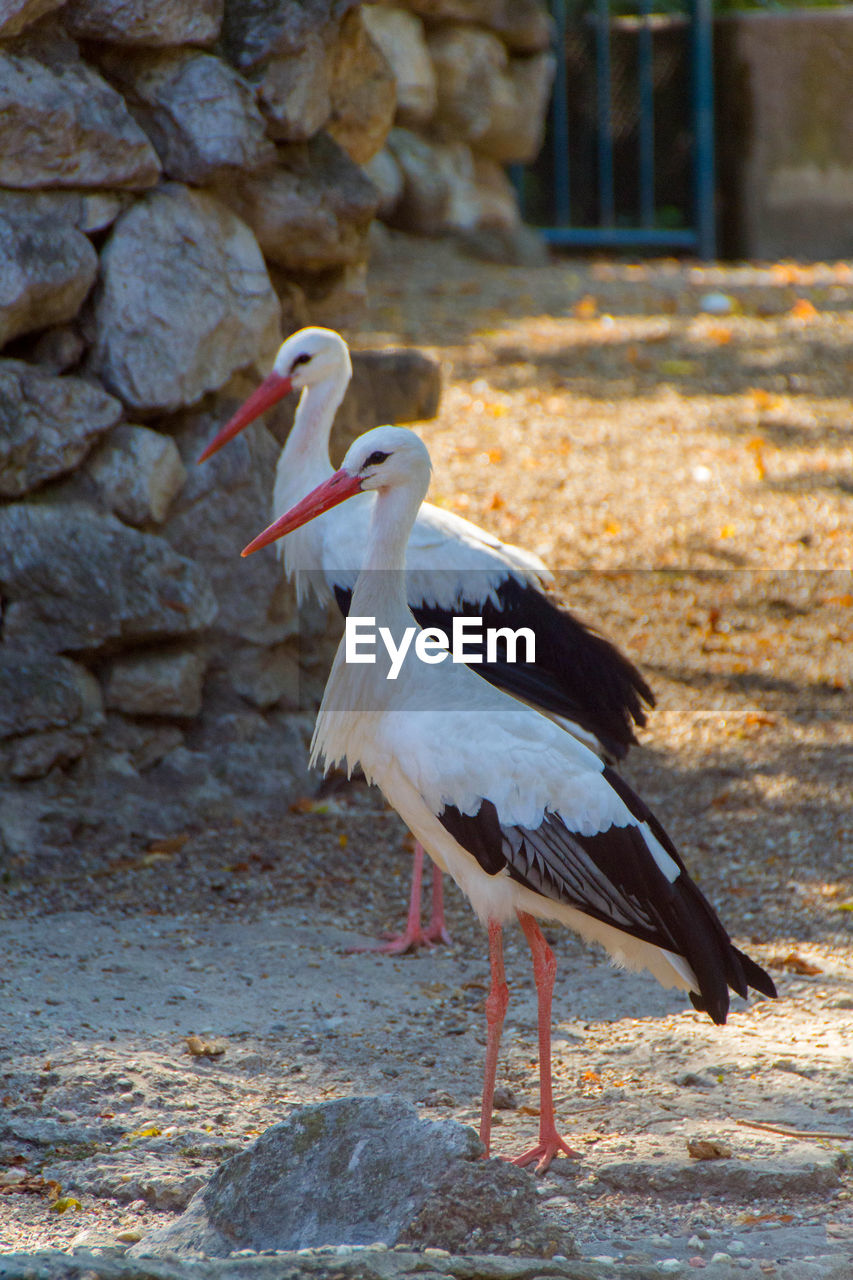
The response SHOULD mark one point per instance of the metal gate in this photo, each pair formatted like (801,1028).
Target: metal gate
(628,159)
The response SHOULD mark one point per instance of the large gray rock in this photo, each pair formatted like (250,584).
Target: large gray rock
(15,15)
(45,693)
(393,386)
(76,580)
(362,89)
(186,300)
(311,214)
(356,1171)
(400,36)
(138,472)
(294,92)
(157,684)
(267,677)
(220,508)
(57,350)
(256,30)
(517,128)
(63,125)
(49,707)
(384,172)
(146,22)
(424,203)
(471,71)
(198,112)
(88,211)
(46,269)
(47,424)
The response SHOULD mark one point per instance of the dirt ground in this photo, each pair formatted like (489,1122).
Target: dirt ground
(676,442)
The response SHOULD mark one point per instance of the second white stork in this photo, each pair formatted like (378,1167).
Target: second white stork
(453,568)
(527,820)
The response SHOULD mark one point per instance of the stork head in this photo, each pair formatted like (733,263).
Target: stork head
(311,356)
(305,359)
(385,458)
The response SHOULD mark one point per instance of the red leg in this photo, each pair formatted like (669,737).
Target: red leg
(436,930)
(496,1003)
(544,969)
(413,935)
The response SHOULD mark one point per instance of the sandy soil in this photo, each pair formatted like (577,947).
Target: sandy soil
(689,476)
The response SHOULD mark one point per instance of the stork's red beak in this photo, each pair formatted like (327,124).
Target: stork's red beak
(329,494)
(271,390)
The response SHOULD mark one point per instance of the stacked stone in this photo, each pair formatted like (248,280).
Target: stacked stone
(473,82)
(180,181)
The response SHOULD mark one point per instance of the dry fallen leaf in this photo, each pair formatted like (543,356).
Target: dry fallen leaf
(795,964)
(720,334)
(803,310)
(149,1131)
(204,1048)
(586,307)
(168,844)
(756,447)
(307,804)
(65,1202)
(759,717)
(708,1149)
(677,368)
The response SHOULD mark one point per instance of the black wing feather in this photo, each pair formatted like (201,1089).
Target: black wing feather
(612,876)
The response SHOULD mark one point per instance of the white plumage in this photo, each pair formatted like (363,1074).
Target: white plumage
(526,819)
(452,567)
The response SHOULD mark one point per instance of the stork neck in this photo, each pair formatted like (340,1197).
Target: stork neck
(306,450)
(381,587)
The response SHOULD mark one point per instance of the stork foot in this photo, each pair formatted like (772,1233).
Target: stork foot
(545,1151)
(397,944)
(435,934)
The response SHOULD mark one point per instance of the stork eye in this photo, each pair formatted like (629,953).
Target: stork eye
(300,359)
(376,457)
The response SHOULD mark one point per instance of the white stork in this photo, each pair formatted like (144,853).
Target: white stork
(453,568)
(527,820)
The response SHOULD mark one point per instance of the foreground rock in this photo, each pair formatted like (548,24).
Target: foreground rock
(378,1262)
(356,1171)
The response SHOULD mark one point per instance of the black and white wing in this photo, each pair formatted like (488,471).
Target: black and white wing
(629,878)
(455,569)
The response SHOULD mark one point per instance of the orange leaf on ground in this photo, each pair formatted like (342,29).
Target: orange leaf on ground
(168,845)
(708,1149)
(803,310)
(794,963)
(586,307)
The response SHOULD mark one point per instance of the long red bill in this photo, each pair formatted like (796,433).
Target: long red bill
(329,494)
(271,390)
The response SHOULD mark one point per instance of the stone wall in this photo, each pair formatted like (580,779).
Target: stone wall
(181,183)
(473,84)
